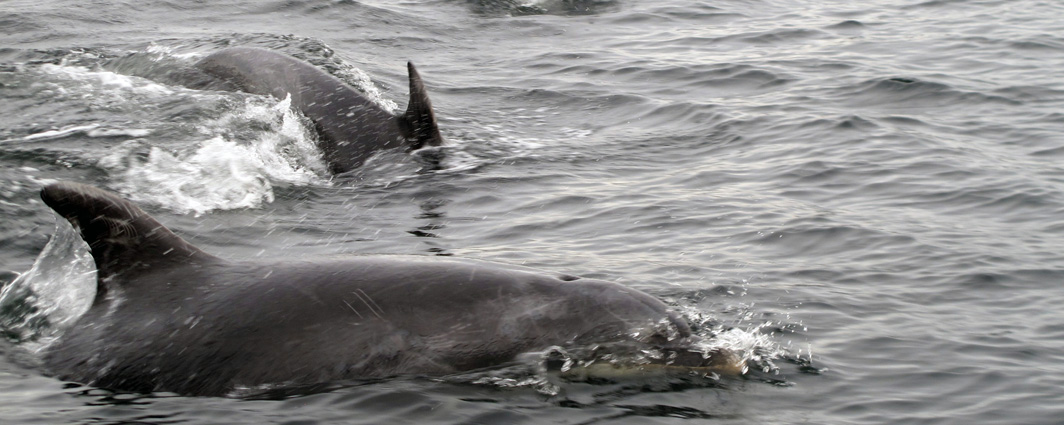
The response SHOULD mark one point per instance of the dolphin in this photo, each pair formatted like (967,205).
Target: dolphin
(168,316)
(350,127)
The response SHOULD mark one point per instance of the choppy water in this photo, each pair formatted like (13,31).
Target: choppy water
(870,195)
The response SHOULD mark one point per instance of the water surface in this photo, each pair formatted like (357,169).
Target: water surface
(868,195)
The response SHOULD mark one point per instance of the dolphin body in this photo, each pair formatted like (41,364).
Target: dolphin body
(168,316)
(351,127)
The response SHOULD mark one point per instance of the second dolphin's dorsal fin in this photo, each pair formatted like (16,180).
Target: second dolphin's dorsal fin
(419,122)
(124,240)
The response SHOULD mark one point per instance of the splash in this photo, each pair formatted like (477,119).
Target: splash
(56,290)
(754,347)
(223,172)
(750,342)
(230,161)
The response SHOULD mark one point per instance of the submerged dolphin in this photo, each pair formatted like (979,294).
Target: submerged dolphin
(170,317)
(351,127)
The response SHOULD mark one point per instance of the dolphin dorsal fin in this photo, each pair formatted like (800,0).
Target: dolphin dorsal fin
(123,238)
(419,122)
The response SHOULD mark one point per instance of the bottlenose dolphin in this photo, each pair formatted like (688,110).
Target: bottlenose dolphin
(351,127)
(168,316)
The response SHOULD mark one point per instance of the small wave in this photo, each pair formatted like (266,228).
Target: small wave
(1031,93)
(934,4)
(714,79)
(63,132)
(912,92)
(847,24)
(90,130)
(672,15)
(781,36)
(771,37)
(1041,44)
(541,7)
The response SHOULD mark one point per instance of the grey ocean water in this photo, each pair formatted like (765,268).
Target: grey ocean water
(867,198)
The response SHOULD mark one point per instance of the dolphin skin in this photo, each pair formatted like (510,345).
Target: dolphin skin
(350,127)
(168,316)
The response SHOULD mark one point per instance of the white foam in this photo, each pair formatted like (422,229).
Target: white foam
(103,82)
(216,176)
(218,173)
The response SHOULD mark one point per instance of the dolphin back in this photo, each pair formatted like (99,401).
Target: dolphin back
(181,320)
(350,127)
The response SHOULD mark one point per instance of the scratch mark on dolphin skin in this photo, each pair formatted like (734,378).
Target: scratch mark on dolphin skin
(352,308)
(371,300)
(375,313)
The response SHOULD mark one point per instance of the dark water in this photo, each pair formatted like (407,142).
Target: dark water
(866,198)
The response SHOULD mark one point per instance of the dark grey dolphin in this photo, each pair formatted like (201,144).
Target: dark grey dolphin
(351,127)
(170,317)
